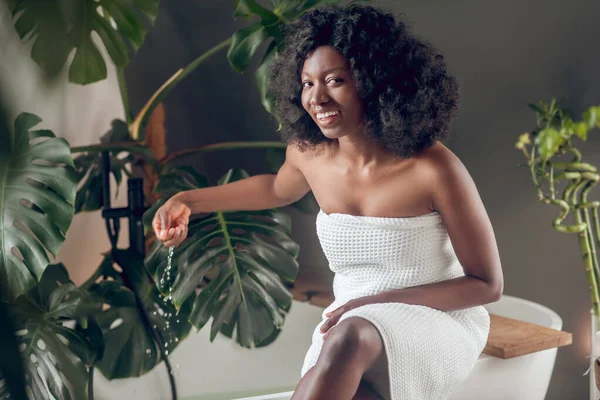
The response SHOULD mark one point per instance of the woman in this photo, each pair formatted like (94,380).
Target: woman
(363,106)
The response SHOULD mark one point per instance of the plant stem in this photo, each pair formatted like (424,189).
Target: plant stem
(589,229)
(222,146)
(143,314)
(124,95)
(584,247)
(137,127)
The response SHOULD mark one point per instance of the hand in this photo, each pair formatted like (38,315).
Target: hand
(170,222)
(335,315)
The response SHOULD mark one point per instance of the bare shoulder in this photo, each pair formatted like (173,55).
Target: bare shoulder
(441,164)
(303,158)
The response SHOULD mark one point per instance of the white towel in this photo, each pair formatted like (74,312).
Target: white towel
(429,352)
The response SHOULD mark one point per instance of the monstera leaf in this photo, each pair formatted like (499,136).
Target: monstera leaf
(56,27)
(37,191)
(55,356)
(130,345)
(240,260)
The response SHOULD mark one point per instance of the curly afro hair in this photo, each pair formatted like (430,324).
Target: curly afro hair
(409,98)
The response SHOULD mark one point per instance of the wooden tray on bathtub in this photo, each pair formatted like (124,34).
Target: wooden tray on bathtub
(508,337)
(512,338)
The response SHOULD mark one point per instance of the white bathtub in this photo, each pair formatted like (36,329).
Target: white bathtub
(520,378)
(222,370)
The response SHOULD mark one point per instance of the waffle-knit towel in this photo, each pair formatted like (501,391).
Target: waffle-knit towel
(429,352)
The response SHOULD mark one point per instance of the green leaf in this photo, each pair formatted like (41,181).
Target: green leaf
(130,347)
(240,261)
(581,130)
(262,76)
(112,41)
(548,141)
(244,44)
(55,355)
(88,65)
(37,192)
(536,109)
(247,8)
(179,179)
(148,7)
(590,117)
(59,27)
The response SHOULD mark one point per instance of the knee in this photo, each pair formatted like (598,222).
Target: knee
(352,339)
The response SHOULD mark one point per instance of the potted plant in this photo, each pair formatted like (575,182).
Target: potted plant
(241,264)
(553,159)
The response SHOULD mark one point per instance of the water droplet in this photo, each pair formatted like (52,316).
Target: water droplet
(148,351)
(177,365)
(176,340)
(167,352)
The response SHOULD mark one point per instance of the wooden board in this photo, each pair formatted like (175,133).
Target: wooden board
(512,338)
(508,337)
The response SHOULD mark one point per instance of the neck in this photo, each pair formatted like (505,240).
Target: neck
(359,152)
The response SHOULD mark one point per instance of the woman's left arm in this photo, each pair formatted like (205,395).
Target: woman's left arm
(456,198)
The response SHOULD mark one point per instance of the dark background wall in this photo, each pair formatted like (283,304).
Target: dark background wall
(504,54)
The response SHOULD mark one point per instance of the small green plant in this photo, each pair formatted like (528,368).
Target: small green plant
(545,149)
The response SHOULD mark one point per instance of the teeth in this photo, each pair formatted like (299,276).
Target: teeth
(327,114)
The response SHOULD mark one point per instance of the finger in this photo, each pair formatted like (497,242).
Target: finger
(156,225)
(168,234)
(183,234)
(177,238)
(330,313)
(325,327)
(326,335)
(180,221)
(172,240)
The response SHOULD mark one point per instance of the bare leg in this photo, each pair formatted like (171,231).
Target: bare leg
(349,350)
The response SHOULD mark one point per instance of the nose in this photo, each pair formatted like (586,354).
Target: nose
(319,95)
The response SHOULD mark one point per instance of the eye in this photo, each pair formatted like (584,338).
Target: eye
(335,80)
(306,84)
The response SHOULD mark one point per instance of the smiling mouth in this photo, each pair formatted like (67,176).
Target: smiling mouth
(327,118)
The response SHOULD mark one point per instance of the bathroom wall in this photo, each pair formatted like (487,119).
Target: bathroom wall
(505,55)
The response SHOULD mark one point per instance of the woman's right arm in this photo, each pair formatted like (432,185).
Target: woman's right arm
(257,192)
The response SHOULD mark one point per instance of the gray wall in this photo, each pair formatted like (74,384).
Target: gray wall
(505,55)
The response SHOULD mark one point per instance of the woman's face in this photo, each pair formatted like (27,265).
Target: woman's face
(329,94)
